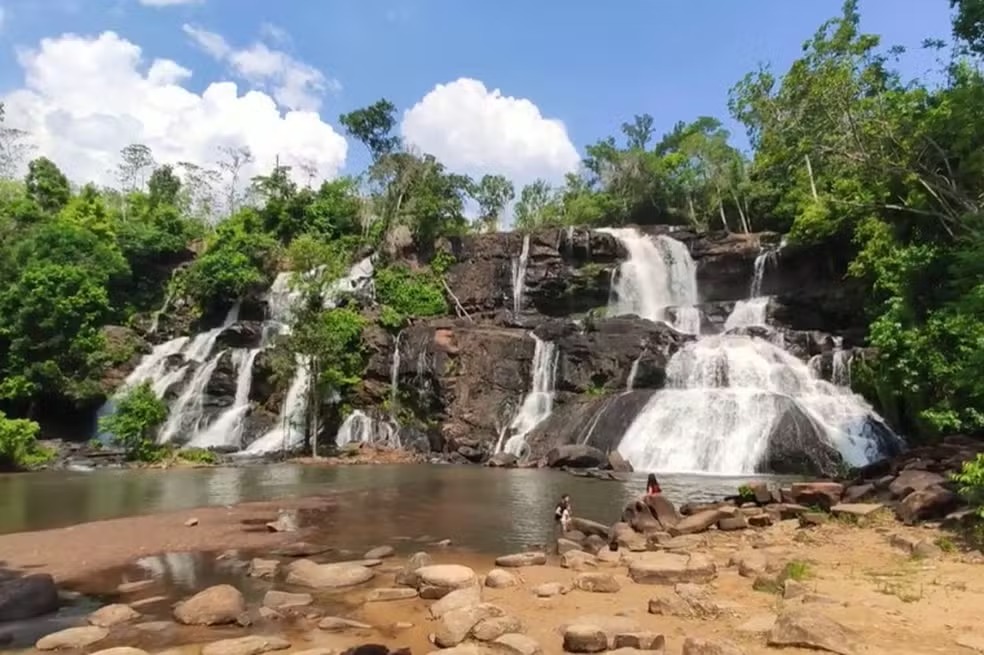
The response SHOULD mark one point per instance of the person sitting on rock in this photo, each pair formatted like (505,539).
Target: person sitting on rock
(652,486)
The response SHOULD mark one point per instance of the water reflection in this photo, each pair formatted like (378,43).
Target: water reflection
(479,508)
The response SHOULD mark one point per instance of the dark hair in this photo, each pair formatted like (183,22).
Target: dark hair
(652,482)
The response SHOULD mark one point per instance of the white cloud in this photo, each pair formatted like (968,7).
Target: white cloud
(85,98)
(169,3)
(476,131)
(293,83)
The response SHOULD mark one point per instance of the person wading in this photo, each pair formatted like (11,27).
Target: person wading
(652,486)
(562,514)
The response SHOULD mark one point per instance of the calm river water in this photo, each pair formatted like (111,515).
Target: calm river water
(479,508)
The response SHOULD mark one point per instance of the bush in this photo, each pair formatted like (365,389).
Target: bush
(410,293)
(198,456)
(18,443)
(970,483)
(134,422)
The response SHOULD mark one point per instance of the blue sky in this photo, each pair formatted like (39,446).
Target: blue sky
(582,62)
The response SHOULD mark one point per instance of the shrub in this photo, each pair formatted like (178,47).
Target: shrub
(410,293)
(970,483)
(138,415)
(198,456)
(18,443)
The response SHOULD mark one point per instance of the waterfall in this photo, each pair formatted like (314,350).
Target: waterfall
(519,274)
(763,259)
(538,403)
(361,428)
(658,274)
(841,367)
(633,372)
(226,431)
(185,415)
(747,313)
(726,395)
(395,375)
(290,429)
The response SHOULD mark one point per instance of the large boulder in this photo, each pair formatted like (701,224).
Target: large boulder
(454,626)
(27,597)
(806,628)
(575,456)
(697,522)
(438,580)
(111,615)
(796,445)
(585,638)
(821,494)
(599,583)
(214,606)
(516,560)
(72,638)
(913,480)
(670,568)
(929,503)
(306,573)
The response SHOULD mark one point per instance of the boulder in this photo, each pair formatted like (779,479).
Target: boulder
(251,645)
(750,563)
(502,460)
(286,522)
(578,560)
(930,503)
(72,638)
(380,552)
(306,573)
(281,600)
(671,568)
(638,518)
(517,644)
(821,494)
(732,523)
(912,480)
(697,522)
(590,528)
(697,646)
(492,628)
(687,601)
(601,583)
(760,492)
(551,589)
(438,580)
(585,638)
(110,615)
(455,625)
(408,575)
(856,510)
(858,492)
(618,463)
(810,629)
(384,594)
(499,579)
(27,597)
(457,599)
(517,560)
(651,641)
(216,605)
(338,624)
(663,509)
(566,545)
(576,456)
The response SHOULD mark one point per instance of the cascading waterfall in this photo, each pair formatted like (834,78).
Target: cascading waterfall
(289,431)
(395,374)
(519,274)
(358,427)
(726,395)
(226,431)
(538,403)
(658,274)
(753,311)
(633,373)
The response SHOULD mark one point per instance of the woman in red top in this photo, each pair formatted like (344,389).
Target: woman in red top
(652,486)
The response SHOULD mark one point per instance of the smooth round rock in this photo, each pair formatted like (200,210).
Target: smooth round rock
(585,639)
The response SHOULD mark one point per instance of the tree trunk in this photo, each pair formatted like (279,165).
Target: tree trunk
(741,213)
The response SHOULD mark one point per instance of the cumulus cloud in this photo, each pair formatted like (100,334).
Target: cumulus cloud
(474,130)
(293,83)
(85,98)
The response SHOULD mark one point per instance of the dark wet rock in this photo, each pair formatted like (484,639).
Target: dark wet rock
(914,480)
(618,463)
(217,605)
(27,597)
(817,494)
(575,456)
(473,455)
(796,446)
(503,460)
(585,638)
(245,334)
(598,421)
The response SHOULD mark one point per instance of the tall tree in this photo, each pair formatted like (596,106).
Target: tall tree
(231,163)
(135,160)
(47,185)
(492,193)
(373,126)
(14,148)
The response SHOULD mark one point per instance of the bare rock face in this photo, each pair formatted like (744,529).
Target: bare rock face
(27,597)
(217,605)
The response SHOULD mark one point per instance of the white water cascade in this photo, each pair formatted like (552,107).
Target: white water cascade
(358,427)
(538,402)
(658,274)
(519,267)
(726,395)
(395,374)
(753,311)
(226,431)
(290,428)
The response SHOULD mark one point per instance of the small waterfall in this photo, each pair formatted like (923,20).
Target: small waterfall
(395,375)
(658,274)
(841,367)
(226,431)
(538,403)
(764,258)
(633,372)
(747,313)
(361,428)
(519,274)
(726,394)
(290,429)
(185,415)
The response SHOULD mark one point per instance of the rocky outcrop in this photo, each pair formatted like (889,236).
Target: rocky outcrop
(598,421)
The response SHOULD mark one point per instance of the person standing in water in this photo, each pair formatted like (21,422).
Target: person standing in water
(562,514)
(652,486)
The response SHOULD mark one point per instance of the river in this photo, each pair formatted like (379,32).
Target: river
(488,510)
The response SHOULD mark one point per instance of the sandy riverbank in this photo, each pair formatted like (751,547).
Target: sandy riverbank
(863,578)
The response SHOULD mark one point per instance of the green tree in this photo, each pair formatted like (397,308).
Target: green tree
(47,185)
(134,423)
(19,447)
(968,24)
(537,207)
(373,126)
(492,193)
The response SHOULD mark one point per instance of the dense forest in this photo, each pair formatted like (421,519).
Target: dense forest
(888,172)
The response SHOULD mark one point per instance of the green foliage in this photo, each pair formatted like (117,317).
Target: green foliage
(746,493)
(492,193)
(138,415)
(968,24)
(413,294)
(18,444)
(198,456)
(970,482)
